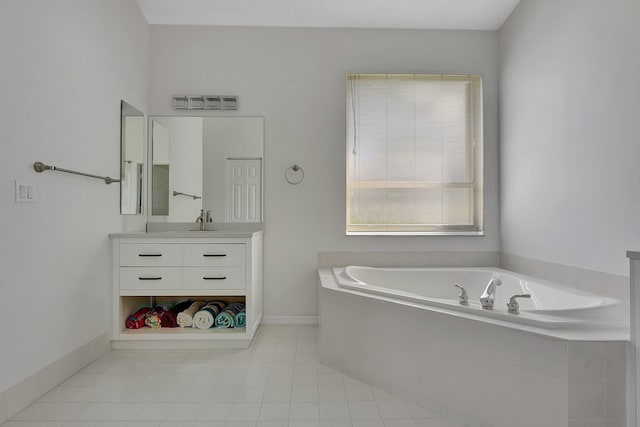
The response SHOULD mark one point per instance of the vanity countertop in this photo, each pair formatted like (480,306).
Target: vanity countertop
(186,234)
(160,230)
(633,254)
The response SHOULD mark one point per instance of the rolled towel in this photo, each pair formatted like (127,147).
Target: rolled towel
(185,318)
(226,319)
(153,319)
(205,318)
(136,320)
(241,319)
(169,318)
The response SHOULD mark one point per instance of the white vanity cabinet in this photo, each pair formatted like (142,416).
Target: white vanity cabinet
(165,268)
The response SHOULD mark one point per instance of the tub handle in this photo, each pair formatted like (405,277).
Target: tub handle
(464,297)
(512,306)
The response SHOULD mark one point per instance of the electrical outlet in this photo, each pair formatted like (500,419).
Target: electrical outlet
(24,192)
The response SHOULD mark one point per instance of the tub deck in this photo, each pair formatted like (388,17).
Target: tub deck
(550,312)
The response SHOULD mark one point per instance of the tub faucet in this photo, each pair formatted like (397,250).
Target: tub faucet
(512,306)
(463,297)
(489,295)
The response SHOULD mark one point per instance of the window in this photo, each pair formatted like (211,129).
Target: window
(414,154)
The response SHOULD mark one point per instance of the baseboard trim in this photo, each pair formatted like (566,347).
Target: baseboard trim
(290,320)
(32,388)
(180,344)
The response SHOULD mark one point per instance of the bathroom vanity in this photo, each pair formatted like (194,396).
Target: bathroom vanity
(165,267)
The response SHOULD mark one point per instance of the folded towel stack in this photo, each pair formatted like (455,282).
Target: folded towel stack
(205,318)
(136,320)
(226,319)
(185,319)
(169,318)
(241,319)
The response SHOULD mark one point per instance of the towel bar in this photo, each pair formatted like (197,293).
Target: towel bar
(41,167)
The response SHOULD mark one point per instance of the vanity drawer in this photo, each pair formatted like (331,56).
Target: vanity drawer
(150,254)
(150,278)
(214,255)
(213,278)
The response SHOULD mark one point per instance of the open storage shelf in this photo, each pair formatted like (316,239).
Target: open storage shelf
(129,304)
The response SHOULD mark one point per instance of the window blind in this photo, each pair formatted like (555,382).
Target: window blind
(414,153)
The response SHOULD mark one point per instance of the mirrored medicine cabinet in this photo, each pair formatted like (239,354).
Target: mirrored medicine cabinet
(131,159)
(209,163)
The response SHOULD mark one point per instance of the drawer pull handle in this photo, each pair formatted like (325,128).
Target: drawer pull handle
(214,255)
(214,278)
(149,278)
(148,255)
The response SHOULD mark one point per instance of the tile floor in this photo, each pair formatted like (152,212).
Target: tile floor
(277,382)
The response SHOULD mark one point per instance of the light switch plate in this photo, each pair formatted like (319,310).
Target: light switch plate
(24,192)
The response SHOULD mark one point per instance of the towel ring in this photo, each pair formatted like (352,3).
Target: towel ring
(294,168)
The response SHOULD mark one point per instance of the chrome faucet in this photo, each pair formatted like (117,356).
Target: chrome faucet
(202,219)
(489,295)
(463,297)
(512,306)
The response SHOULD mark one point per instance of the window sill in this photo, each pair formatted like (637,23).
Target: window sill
(415,233)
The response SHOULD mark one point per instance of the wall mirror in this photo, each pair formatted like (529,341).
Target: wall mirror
(131,159)
(210,163)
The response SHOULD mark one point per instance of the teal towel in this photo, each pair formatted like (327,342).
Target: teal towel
(226,319)
(241,319)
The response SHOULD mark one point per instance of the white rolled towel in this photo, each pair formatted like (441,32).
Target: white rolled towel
(205,318)
(185,318)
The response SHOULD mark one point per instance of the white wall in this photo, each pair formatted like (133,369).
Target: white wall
(65,67)
(295,78)
(569,146)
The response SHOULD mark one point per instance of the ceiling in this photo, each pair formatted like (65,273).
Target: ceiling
(413,14)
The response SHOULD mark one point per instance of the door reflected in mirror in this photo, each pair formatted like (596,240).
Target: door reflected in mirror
(131,159)
(206,163)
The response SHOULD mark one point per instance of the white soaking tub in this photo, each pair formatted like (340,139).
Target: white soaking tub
(551,305)
(404,331)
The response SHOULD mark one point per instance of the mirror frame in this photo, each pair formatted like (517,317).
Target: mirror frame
(127,110)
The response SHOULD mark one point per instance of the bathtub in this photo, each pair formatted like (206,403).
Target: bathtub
(404,331)
(551,305)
